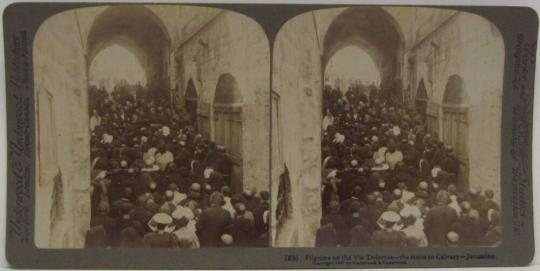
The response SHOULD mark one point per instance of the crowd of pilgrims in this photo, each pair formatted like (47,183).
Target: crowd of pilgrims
(387,182)
(158,183)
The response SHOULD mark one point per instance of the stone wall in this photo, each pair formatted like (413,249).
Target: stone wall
(235,44)
(297,78)
(63,187)
(468,44)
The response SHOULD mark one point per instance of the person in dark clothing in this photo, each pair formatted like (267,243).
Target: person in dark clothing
(102,218)
(339,222)
(212,222)
(123,222)
(468,228)
(130,238)
(360,237)
(326,236)
(243,232)
(96,237)
(439,219)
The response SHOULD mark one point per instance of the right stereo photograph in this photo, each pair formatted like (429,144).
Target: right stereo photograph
(386,129)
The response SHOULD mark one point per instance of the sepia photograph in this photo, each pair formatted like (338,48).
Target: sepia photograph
(147,122)
(386,129)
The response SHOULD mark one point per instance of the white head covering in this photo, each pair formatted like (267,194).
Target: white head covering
(207,172)
(165,131)
(160,218)
(183,212)
(435,171)
(409,210)
(150,160)
(389,216)
(332,174)
(396,130)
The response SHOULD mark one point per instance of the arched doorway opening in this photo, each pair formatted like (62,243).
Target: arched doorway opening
(421,99)
(132,27)
(352,68)
(377,33)
(191,99)
(115,70)
(455,124)
(227,110)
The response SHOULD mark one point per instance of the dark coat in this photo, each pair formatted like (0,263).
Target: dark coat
(211,225)
(469,231)
(437,224)
(160,240)
(340,225)
(326,236)
(96,237)
(243,232)
(108,224)
(360,237)
(122,224)
(389,238)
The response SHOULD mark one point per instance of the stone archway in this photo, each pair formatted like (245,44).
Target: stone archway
(376,32)
(132,27)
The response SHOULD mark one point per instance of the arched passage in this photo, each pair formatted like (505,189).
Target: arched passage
(191,99)
(116,63)
(352,68)
(375,31)
(455,123)
(228,124)
(421,98)
(132,27)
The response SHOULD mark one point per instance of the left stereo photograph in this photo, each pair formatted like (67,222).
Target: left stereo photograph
(145,115)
